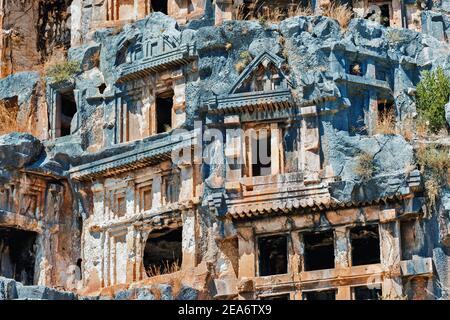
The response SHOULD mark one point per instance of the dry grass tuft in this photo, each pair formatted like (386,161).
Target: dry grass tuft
(265,12)
(435,159)
(365,167)
(386,123)
(435,163)
(167,268)
(341,13)
(407,129)
(300,11)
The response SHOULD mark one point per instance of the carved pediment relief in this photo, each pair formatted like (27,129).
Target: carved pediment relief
(134,48)
(264,73)
(130,49)
(262,85)
(154,55)
(161,45)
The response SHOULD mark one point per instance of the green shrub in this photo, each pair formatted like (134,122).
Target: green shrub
(365,166)
(433,92)
(63,71)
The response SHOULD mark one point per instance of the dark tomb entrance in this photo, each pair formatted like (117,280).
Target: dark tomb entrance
(18,255)
(163,252)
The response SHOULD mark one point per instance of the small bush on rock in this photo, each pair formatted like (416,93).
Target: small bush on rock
(244,59)
(63,71)
(365,166)
(435,163)
(433,92)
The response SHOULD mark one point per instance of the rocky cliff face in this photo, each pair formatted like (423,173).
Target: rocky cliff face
(31,32)
(86,192)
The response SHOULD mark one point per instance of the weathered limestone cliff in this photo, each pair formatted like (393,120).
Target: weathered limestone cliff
(183,150)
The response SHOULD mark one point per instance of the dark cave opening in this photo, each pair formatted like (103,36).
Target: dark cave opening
(159,6)
(18,254)
(163,252)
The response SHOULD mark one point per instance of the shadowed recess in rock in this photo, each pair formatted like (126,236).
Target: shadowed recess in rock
(272,255)
(17,254)
(319,250)
(163,253)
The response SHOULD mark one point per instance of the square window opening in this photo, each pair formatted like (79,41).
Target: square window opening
(66,109)
(273,255)
(320,295)
(261,155)
(164,109)
(280,297)
(367,293)
(319,250)
(365,245)
(159,6)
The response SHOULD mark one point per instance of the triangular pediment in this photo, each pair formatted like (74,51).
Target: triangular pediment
(264,73)
(170,43)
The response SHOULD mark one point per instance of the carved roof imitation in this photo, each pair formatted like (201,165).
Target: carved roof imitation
(314,198)
(157,55)
(148,154)
(261,85)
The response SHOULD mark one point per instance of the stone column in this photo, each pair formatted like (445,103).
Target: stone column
(179,102)
(234,152)
(132,254)
(157,192)
(276,146)
(187,183)
(341,248)
(296,255)
(105,275)
(130,198)
(344,293)
(390,259)
(56,114)
(370,69)
(396,19)
(310,142)
(372,114)
(98,192)
(189,239)
(247,253)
